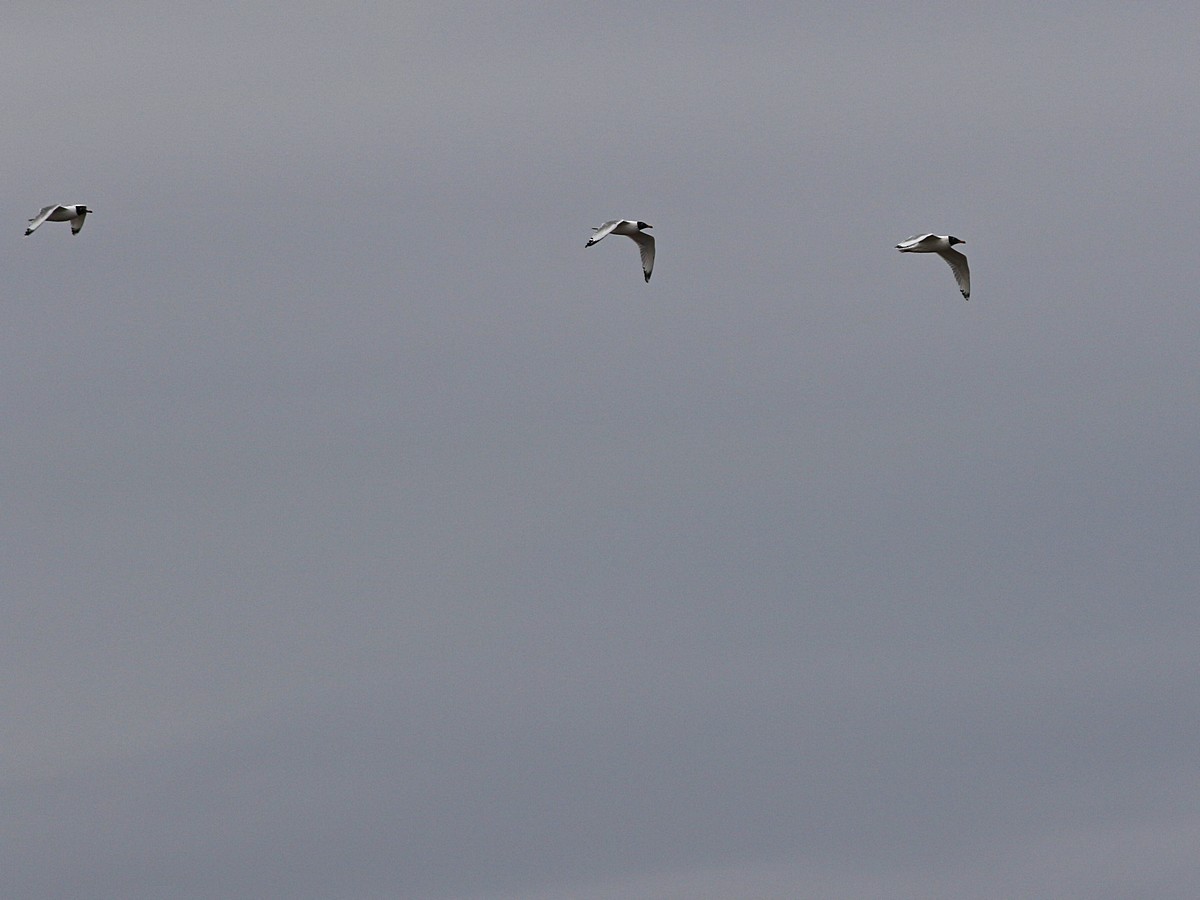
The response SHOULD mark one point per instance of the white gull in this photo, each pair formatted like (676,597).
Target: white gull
(943,246)
(631,229)
(74,213)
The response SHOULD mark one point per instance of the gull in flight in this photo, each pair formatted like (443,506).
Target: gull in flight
(630,229)
(943,246)
(75,214)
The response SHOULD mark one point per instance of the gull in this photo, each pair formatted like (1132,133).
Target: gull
(75,214)
(630,229)
(943,246)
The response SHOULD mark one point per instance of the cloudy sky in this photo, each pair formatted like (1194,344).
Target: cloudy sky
(363,536)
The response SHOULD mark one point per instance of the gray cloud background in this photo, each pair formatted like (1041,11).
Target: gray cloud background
(364,536)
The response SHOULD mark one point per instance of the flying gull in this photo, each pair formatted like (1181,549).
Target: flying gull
(943,246)
(630,229)
(75,214)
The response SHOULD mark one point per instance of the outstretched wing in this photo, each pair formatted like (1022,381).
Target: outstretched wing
(646,243)
(962,274)
(914,241)
(602,231)
(77,222)
(39,219)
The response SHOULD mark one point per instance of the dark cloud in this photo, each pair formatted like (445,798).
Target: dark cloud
(365,536)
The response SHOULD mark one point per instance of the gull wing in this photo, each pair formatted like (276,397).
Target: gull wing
(962,274)
(915,240)
(603,231)
(77,222)
(39,219)
(646,243)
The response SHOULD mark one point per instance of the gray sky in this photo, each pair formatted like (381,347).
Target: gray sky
(366,537)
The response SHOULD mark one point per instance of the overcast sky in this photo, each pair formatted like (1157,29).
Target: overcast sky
(365,536)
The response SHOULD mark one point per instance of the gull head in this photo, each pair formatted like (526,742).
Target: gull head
(643,225)
(953,240)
